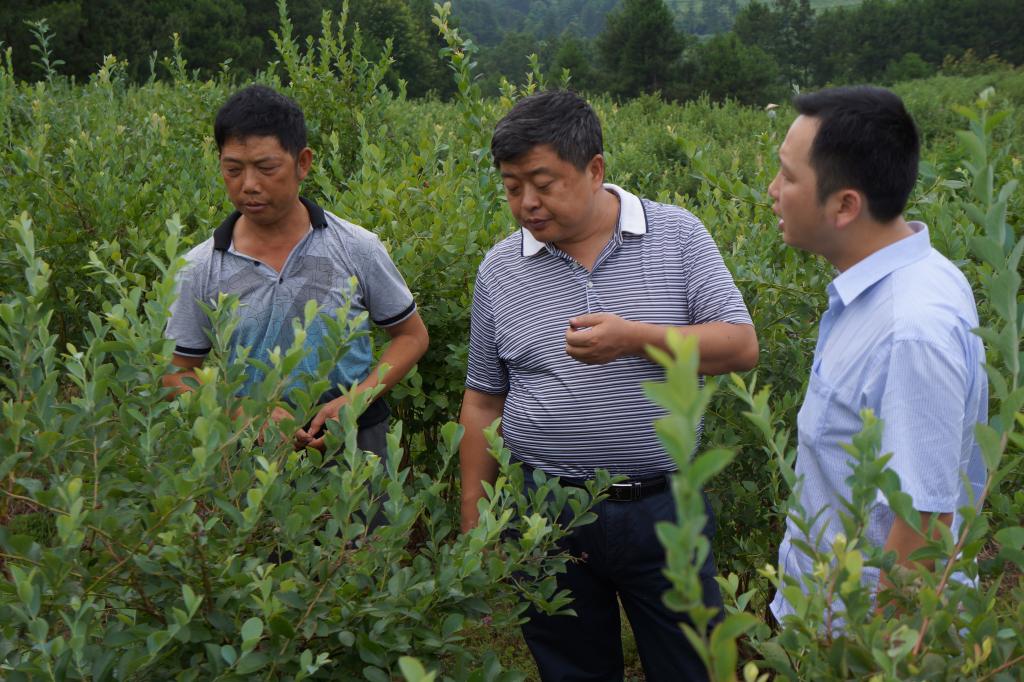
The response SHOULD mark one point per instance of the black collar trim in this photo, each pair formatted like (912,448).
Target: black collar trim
(222,235)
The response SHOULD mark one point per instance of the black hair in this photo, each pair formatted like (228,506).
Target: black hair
(866,140)
(558,118)
(261,111)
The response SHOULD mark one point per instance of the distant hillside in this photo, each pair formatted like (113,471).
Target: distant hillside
(488,20)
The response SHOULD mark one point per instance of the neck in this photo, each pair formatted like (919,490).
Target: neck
(869,238)
(587,247)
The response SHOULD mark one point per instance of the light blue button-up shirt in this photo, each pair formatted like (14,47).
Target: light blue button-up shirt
(896,338)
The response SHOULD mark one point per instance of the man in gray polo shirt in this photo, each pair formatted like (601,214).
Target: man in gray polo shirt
(562,313)
(278,251)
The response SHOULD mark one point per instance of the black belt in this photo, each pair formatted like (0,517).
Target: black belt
(627,491)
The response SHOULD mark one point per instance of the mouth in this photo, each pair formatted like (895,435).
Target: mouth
(254,207)
(536,224)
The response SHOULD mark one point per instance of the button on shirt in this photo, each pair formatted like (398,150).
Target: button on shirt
(896,338)
(561,415)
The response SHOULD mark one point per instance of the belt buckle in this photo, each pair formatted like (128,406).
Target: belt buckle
(629,491)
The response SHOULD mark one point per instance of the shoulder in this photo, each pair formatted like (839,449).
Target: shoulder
(932,301)
(344,232)
(669,216)
(198,256)
(507,253)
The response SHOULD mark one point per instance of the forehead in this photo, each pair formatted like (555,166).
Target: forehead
(540,159)
(252,146)
(796,147)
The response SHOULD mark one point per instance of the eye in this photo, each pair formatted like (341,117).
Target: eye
(545,186)
(267,170)
(512,190)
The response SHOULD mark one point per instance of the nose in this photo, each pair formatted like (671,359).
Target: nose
(531,198)
(773,188)
(250,181)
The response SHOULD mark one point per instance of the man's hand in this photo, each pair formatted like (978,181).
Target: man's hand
(328,411)
(598,338)
(278,415)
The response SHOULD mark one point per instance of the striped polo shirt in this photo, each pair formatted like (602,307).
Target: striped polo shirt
(561,415)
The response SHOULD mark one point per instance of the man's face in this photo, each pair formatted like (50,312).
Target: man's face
(803,220)
(550,197)
(262,179)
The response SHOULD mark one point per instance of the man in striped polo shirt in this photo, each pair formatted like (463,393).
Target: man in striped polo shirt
(896,337)
(562,313)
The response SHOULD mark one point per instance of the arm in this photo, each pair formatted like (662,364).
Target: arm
(409,341)
(185,367)
(479,410)
(904,539)
(598,338)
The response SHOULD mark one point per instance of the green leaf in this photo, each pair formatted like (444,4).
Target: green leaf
(413,670)
(251,662)
(252,629)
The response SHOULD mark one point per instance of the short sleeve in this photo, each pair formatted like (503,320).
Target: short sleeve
(923,408)
(486,373)
(189,325)
(711,294)
(388,299)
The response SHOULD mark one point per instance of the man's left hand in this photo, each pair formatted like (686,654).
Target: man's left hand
(597,338)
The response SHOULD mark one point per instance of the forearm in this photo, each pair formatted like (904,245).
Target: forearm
(409,341)
(476,465)
(182,367)
(398,358)
(904,539)
(724,347)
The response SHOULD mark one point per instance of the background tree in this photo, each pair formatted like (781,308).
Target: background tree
(724,67)
(785,30)
(640,48)
(577,55)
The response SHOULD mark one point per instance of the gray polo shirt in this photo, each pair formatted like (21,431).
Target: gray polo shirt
(561,415)
(319,268)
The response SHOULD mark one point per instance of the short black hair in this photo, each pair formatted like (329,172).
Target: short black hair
(559,118)
(866,140)
(261,111)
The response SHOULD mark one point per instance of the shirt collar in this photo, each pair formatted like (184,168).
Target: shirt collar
(632,220)
(222,235)
(858,278)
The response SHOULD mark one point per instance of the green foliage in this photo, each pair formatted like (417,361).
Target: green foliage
(97,168)
(725,67)
(639,48)
(185,548)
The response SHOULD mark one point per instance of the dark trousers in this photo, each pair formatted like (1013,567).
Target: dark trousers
(619,558)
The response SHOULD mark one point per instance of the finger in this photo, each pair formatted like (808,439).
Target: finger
(318,422)
(318,444)
(587,320)
(303,436)
(581,338)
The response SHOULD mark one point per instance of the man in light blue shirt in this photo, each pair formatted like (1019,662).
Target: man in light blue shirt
(896,337)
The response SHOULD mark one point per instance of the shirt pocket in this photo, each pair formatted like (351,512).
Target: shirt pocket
(813,415)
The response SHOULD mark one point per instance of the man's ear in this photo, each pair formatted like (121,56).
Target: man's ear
(847,207)
(595,171)
(304,162)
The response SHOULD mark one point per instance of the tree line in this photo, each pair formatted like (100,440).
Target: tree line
(622,47)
